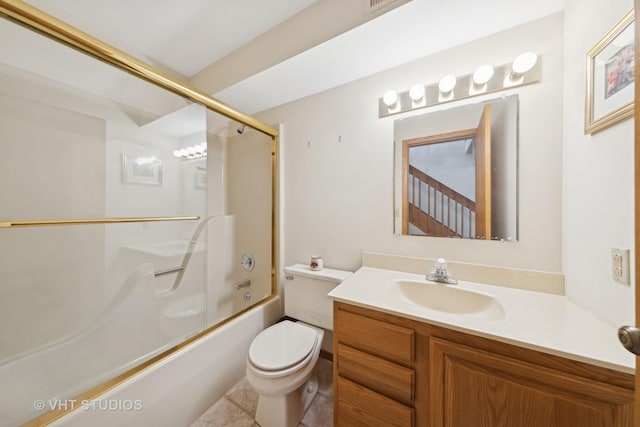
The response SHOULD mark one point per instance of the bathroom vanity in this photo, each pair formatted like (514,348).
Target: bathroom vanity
(545,363)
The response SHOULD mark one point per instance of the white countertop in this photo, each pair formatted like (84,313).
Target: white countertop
(548,323)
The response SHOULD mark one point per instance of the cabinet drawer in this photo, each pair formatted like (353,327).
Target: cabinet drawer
(373,336)
(358,406)
(377,374)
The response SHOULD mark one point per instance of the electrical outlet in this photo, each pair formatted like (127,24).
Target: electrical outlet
(620,266)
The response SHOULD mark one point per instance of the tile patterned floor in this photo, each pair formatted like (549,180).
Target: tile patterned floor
(238,406)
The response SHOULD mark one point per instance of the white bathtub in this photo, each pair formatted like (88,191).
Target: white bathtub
(177,390)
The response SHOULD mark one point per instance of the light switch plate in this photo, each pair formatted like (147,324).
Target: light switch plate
(620,266)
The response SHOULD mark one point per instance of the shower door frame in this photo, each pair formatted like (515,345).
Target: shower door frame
(49,26)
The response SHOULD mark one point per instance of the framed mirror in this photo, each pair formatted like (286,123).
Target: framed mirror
(456,172)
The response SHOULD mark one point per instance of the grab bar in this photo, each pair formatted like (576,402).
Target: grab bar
(185,260)
(84,221)
(168,271)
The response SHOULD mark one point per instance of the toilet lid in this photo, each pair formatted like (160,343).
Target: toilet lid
(282,345)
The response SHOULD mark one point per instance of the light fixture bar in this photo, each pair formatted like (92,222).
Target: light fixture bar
(502,79)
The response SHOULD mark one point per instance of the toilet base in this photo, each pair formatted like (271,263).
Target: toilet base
(286,410)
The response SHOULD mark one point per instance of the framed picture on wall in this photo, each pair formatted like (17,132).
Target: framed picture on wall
(201,177)
(610,77)
(145,170)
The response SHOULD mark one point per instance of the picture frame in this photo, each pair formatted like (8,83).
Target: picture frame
(610,77)
(145,170)
(200,178)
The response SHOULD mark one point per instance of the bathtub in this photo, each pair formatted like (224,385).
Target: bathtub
(177,390)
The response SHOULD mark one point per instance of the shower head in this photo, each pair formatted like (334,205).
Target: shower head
(241,129)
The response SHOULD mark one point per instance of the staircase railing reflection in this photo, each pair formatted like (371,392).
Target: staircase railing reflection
(444,212)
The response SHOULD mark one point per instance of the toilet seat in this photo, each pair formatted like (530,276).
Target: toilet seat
(282,349)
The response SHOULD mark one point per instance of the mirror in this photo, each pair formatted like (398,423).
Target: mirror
(456,172)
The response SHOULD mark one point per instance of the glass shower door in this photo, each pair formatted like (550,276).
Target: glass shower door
(103,223)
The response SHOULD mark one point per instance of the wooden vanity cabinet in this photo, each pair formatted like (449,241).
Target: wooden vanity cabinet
(392,371)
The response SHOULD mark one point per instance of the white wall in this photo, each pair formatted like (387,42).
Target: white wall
(339,161)
(598,175)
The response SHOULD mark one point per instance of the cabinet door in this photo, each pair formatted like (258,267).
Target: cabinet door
(470,387)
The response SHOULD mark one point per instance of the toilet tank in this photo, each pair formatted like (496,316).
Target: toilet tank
(305,294)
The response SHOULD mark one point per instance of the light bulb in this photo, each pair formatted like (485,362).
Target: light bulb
(483,74)
(447,83)
(416,92)
(524,63)
(390,98)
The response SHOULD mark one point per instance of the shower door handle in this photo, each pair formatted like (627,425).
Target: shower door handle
(629,336)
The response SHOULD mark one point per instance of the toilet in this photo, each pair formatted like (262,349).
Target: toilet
(281,358)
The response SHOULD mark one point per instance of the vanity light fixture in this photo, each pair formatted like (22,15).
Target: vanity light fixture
(447,83)
(483,74)
(192,152)
(524,63)
(524,70)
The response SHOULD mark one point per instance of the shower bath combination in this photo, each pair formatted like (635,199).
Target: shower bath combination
(107,229)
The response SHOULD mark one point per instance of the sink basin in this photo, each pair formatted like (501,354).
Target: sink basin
(448,299)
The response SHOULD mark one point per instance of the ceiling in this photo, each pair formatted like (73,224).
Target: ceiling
(188,36)
(185,35)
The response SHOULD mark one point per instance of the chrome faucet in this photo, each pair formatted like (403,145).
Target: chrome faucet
(440,274)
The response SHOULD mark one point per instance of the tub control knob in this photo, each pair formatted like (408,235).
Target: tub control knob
(248,261)
(629,336)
